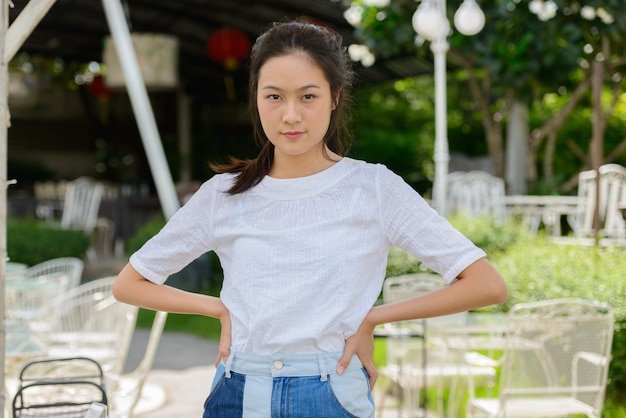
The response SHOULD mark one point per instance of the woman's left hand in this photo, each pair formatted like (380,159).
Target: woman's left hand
(361,344)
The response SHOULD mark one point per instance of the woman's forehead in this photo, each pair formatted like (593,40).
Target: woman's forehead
(291,70)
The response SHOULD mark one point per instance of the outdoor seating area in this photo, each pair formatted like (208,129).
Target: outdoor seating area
(507,118)
(544,358)
(51,315)
(566,218)
(108,213)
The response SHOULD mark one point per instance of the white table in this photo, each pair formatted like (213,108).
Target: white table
(481,331)
(20,346)
(537,209)
(14,270)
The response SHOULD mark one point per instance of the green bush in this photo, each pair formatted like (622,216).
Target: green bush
(492,236)
(144,233)
(32,241)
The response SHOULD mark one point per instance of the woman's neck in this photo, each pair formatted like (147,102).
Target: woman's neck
(289,166)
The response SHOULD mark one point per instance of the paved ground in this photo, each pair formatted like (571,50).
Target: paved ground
(181,375)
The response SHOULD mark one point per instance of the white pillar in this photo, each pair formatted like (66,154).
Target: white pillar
(442,154)
(141,106)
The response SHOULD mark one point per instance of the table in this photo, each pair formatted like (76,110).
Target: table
(480,331)
(400,333)
(14,270)
(537,209)
(439,337)
(21,345)
(26,299)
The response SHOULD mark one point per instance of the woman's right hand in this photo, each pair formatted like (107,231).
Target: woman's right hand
(225,337)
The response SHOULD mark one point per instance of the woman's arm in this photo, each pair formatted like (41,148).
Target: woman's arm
(132,288)
(478,285)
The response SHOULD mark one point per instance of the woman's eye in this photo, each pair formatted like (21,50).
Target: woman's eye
(308,96)
(273,97)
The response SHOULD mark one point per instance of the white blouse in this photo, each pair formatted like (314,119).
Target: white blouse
(304,259)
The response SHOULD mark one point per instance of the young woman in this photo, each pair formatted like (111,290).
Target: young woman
(303,235)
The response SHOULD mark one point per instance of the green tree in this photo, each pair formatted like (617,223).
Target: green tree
(528,48)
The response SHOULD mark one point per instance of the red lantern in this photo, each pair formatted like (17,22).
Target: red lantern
(99,89)
(228,46)
(102,93)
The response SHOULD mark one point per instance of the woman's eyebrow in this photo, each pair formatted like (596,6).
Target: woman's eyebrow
(273,87)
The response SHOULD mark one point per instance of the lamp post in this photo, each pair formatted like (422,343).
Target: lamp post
(430,22)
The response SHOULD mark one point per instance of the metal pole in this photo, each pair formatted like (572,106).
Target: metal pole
(4,122)
(141,107)
(441,157)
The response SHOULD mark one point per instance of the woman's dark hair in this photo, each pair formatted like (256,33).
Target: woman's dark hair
(324,46)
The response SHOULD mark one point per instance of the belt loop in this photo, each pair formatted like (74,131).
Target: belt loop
(228,365)
(322,363)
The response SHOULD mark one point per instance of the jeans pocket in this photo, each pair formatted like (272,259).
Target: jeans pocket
(226,397)
(352,392)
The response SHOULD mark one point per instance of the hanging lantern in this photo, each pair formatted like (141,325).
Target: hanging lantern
(157,56)
(102,93)
(227,47)
(99,89)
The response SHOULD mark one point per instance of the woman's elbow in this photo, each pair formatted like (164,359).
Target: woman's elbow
(498,292)
(123,284)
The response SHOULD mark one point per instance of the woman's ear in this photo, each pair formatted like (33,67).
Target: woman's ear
(336,99)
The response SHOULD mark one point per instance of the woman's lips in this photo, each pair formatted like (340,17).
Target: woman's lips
(293,134)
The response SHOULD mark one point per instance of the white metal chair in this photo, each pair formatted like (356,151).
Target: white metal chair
(555,362)
(612,191)
(27,297)
(71,267)
(49,196)
(416,363)
(88,321)
(475,193)
(80,212)
(126,389)
(59,387)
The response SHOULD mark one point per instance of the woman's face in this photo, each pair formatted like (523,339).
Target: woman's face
(295,104)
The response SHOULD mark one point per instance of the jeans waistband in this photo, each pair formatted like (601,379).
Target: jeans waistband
(287,365)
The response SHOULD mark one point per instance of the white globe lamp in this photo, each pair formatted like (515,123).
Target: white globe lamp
(429,21)
(469,19)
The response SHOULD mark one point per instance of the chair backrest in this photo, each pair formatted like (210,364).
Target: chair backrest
(557,348)
(69,267)
(62,368)
(28,298)
(59,387)
(407,286)
(87,320)
(63,399)
(82,203)
(404,287)
(125,389)
(475,193)
(612,192)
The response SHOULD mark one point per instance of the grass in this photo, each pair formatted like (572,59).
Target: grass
(198,325)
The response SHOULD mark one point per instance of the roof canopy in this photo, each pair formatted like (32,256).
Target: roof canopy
(76,29)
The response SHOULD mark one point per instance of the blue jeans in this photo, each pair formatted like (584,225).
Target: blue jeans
(291,386)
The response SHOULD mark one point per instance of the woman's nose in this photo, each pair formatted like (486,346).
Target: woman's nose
(292,113)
